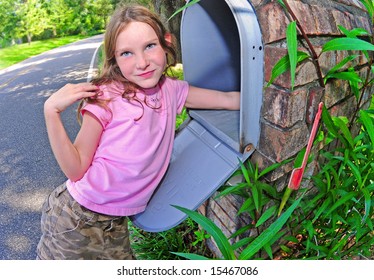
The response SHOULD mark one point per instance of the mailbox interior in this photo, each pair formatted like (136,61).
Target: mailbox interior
(211,59)
(222,49)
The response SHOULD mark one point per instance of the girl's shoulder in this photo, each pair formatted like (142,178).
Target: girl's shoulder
(170,82)
(111,90)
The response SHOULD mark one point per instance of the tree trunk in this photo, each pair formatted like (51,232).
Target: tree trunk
(29,38)
(166,9)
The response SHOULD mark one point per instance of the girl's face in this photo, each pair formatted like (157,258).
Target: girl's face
(139,55)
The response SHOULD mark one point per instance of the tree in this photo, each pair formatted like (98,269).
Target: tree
(8,19)
(33,19)
(58,13)
(51,18)
(166,9)
(102,9)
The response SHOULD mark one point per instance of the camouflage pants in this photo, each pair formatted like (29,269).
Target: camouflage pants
(72,232)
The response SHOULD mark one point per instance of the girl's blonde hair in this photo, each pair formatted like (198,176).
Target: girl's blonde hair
(118,22)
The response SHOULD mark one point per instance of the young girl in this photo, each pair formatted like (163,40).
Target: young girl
(125,141)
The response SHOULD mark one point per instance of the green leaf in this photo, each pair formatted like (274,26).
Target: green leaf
(344,129)
(327,120)
(310,228)
(340,244)
(268,233)
(347,76)
(299,158)
(322,209)
(356,172)
(266,215)
(369,5)
(251,170)
(241,231)
(268,251)
(242,242)
(370,188)
(367,197)
(245,206)
(341,64)
(190,3)
(355,88)
(367,121)
(282,4)
(354,32)
(245,173)
(291,239)
(345,44)
(340,202)
(256,197)
(284,200)
(221,240)
(291,37)
(238,189)
(269,189)
(273,167)
(191,256)
(286,249)
(283,65)
(369,223)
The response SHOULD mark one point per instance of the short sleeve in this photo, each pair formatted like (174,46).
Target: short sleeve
(183,88)
(101,112)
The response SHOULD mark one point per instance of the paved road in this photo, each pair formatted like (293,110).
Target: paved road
(28,170)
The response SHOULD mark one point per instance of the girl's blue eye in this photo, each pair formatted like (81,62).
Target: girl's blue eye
(150,46)
(125,54)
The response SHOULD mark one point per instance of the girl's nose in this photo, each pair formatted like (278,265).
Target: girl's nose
(142,61)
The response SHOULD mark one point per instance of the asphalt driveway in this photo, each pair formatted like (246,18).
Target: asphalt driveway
(28,170)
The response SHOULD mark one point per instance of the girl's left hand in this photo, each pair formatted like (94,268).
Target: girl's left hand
(69,94)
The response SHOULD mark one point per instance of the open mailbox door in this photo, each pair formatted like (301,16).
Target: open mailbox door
(221,49)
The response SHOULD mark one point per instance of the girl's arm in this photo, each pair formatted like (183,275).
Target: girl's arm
(200,98)
(73,158)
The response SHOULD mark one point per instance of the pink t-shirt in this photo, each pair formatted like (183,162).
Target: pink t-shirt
(133,154)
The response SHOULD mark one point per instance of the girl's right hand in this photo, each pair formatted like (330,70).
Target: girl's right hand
(69,94)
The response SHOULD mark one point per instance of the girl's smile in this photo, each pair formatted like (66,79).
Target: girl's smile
(147,74)
(139,55)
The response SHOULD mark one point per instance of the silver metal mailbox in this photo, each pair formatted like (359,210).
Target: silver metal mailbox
(221,49)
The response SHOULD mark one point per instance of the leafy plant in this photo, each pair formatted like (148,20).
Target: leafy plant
(158,246)
(338,218)
(333,220)
(254,190)
(264,240)
(350,42)
(201,236)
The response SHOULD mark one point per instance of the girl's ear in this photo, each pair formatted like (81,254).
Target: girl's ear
(168,38)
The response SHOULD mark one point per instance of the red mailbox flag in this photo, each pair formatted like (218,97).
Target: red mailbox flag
(297,173)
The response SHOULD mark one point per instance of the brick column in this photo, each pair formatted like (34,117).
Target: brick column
(287,116)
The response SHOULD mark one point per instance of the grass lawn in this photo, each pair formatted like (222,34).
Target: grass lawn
(17,53)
